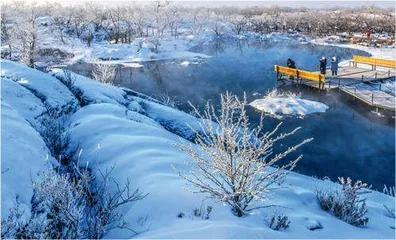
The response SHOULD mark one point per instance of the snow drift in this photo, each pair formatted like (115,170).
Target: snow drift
(276,103)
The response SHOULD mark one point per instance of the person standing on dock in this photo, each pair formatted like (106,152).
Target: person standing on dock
(291,64)
(323,65)
(334,66)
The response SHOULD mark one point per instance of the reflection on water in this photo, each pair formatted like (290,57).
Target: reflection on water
(349,140)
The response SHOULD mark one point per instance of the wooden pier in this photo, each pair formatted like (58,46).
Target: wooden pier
(357,80)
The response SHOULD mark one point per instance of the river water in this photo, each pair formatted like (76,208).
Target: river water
(349,139)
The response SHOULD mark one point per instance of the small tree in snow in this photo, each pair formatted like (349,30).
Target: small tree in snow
(232,164)
(104,73)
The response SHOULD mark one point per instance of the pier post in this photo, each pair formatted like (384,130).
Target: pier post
(388,73)
(277,72)
(375,75)
(372,99)
(354,94)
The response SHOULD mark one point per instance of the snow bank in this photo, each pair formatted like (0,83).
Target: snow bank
(56,97)
(23,156)
(173,120)
(23,101)
(91,91)
(287,104)
(144,153)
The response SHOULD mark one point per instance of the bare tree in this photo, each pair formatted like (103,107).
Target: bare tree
(5,34)
(25,35)
(233,162)
(104,73)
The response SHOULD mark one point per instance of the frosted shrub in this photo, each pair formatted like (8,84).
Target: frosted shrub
(68,78)
(63,199)
(104,73)
(345,201)
(167,100)
(72,206)
(389,191)
(278,221)
(11,225)
(232,163)
(102,215)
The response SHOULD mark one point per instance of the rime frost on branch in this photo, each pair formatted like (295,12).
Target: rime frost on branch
(232,164)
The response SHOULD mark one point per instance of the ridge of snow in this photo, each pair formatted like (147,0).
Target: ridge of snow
(56,97)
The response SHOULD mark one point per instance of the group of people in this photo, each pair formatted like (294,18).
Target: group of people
(322,65)
(334,65)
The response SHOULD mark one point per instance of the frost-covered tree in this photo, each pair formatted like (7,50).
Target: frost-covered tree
(104,73)
(234,162)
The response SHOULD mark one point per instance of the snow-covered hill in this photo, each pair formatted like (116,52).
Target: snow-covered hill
(135,134)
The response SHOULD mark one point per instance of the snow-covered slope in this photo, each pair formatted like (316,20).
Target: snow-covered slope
(23,156)
(143,152)
(56,97)
(136,135)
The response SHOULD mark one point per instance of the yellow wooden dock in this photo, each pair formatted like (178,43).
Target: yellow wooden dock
(351,80)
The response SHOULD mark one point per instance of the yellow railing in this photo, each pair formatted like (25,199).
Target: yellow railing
(376,62)
(312,76)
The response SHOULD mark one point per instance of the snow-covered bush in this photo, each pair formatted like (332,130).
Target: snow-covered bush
(232,164)
(68,78)
(102,214)
(389,191)
(345,201)
(104,73)
(72,205)
(13,224)
(63,199)
(278,221)
(53,135)
(167,100)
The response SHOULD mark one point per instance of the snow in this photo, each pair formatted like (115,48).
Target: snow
(93,91)
(145,154)
(137,135)
(56,97)
(23,156)
(275,103)
(382,52)
(173,120)
(27,105)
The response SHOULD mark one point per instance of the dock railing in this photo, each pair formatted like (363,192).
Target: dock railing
(374,62)
(300,74)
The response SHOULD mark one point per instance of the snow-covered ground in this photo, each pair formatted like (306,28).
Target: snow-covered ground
(277,104)
(120,128)
(139,50)
(382,52)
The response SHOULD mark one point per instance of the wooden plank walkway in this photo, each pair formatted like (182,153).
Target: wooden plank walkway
(352,75)
(371,96)
(357,82)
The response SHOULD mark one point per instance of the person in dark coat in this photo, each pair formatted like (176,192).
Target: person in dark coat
(291,64)
(323,65)
(334,66)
